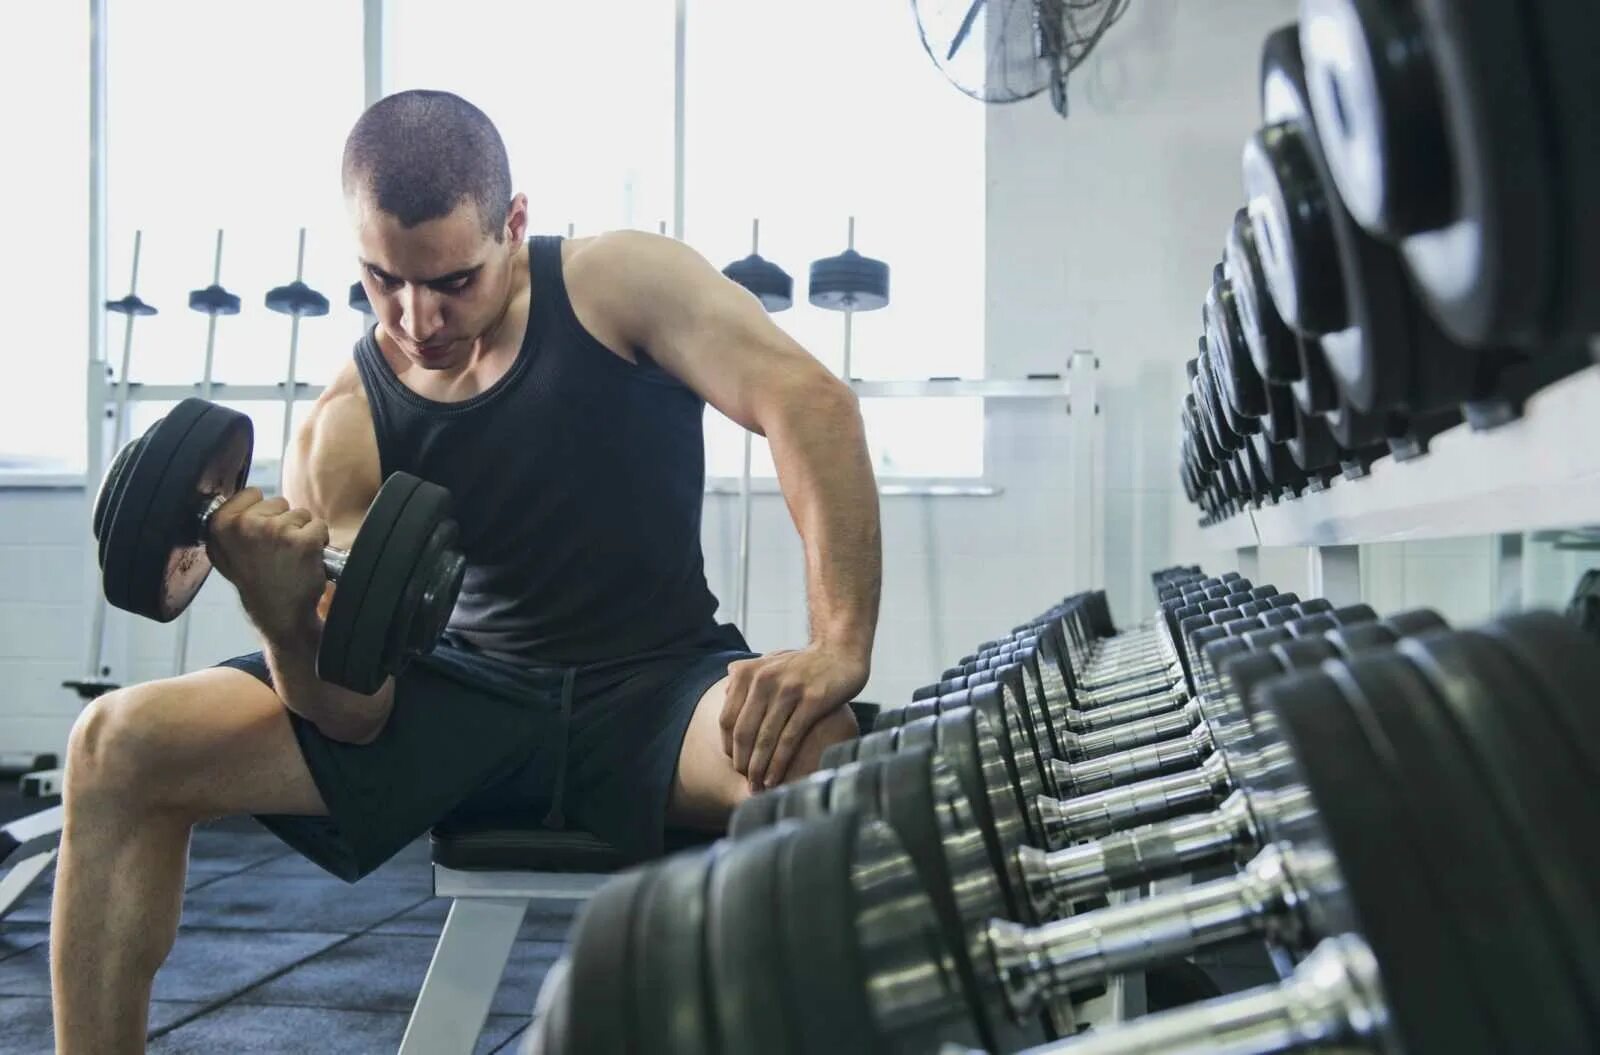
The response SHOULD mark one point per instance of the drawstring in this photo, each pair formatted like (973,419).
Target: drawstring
(555,818)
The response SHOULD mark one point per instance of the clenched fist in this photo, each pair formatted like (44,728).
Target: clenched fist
(273,555)
(773,701)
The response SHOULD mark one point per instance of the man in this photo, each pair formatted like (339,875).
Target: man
(556,387)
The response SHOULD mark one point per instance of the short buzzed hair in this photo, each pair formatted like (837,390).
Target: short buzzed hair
(422,153)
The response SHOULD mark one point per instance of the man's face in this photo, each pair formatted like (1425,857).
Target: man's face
(435,287)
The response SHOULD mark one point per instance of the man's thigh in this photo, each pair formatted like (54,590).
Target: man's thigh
(706,788)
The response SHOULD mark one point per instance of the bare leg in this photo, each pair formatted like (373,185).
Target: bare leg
(144,764)
(707,789)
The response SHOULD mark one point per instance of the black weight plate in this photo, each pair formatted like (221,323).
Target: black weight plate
(349,596)
(408,619)
(817,915)
(1487,276)
(155,559)
(878,744)
(1565,666)
(1272,346)
(807,798)
(602,953)
(374,624)
(1565,33)
(671,977)
(1548,806)
(946,848)
(1482,887)
(758,811)
(845,751)
(110,485)
(1434,1003)
(963,742)
(748,991)
(1236,371)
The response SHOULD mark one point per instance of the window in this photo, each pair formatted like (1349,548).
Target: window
(581,94)
(803,116)
(230,116)
(44,77)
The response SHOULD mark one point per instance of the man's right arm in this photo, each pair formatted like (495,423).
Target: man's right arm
(272,551)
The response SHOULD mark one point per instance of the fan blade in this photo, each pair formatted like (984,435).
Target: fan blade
(965,28)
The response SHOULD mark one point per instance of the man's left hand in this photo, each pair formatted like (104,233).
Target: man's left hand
(773,701)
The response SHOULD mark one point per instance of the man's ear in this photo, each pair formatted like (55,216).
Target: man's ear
(517,220)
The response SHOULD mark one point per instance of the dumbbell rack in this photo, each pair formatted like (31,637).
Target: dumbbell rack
(1540,471)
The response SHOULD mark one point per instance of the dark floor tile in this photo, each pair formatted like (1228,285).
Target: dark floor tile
(545,920)
(205,965)
(20,937)
(385,972)
(230,851)
(26,1028)
(417,871)
(245,1030)
(254,902)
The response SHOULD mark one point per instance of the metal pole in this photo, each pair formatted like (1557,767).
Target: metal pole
(680,50)
(120,422)
(848,313)
(372,41)
(294,351)
(180,647)
(94,454)
(742,597)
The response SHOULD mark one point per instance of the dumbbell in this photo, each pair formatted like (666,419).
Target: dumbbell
(1450,125)
(398,582)
(1054,822)
(1501,907)
(1447,725)
(1031,758)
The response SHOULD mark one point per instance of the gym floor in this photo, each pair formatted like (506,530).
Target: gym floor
(274,955)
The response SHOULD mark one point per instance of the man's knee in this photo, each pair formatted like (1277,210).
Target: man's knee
(114,745)
(834,727)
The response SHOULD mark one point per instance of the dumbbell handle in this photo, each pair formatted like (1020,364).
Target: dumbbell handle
(333,560)
(1129,735)
(1039,963)
(1127,711)
(1126,767)
(1066,821)
(1334,998)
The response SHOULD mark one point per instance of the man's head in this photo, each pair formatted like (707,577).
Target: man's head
(429,189)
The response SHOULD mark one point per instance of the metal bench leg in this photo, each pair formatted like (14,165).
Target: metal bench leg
(464,976)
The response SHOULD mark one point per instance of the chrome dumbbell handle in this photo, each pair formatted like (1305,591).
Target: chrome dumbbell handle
(1126,767)
(1066,821)
(333,560)
(1127,711)
(1036,963)
(1333,999)
(1130,735)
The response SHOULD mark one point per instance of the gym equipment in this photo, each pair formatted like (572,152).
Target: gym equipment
(773,287)
(298,301)
(1423,914)
(212,301)
(771,284)
(359,299)
(849,283)
(94,683)
(1461,133)
(398,582)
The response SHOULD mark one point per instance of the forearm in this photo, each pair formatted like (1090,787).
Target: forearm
(819,447)
(338,713)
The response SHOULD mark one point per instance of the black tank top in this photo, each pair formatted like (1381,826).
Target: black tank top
(577,480)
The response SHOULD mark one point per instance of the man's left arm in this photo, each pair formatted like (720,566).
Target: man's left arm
(717,339)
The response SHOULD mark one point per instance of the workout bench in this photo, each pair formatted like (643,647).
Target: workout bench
(491,868)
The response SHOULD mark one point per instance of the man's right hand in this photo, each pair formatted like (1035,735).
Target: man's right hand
(273,555)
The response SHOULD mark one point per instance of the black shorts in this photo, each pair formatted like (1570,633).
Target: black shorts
(475,736)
